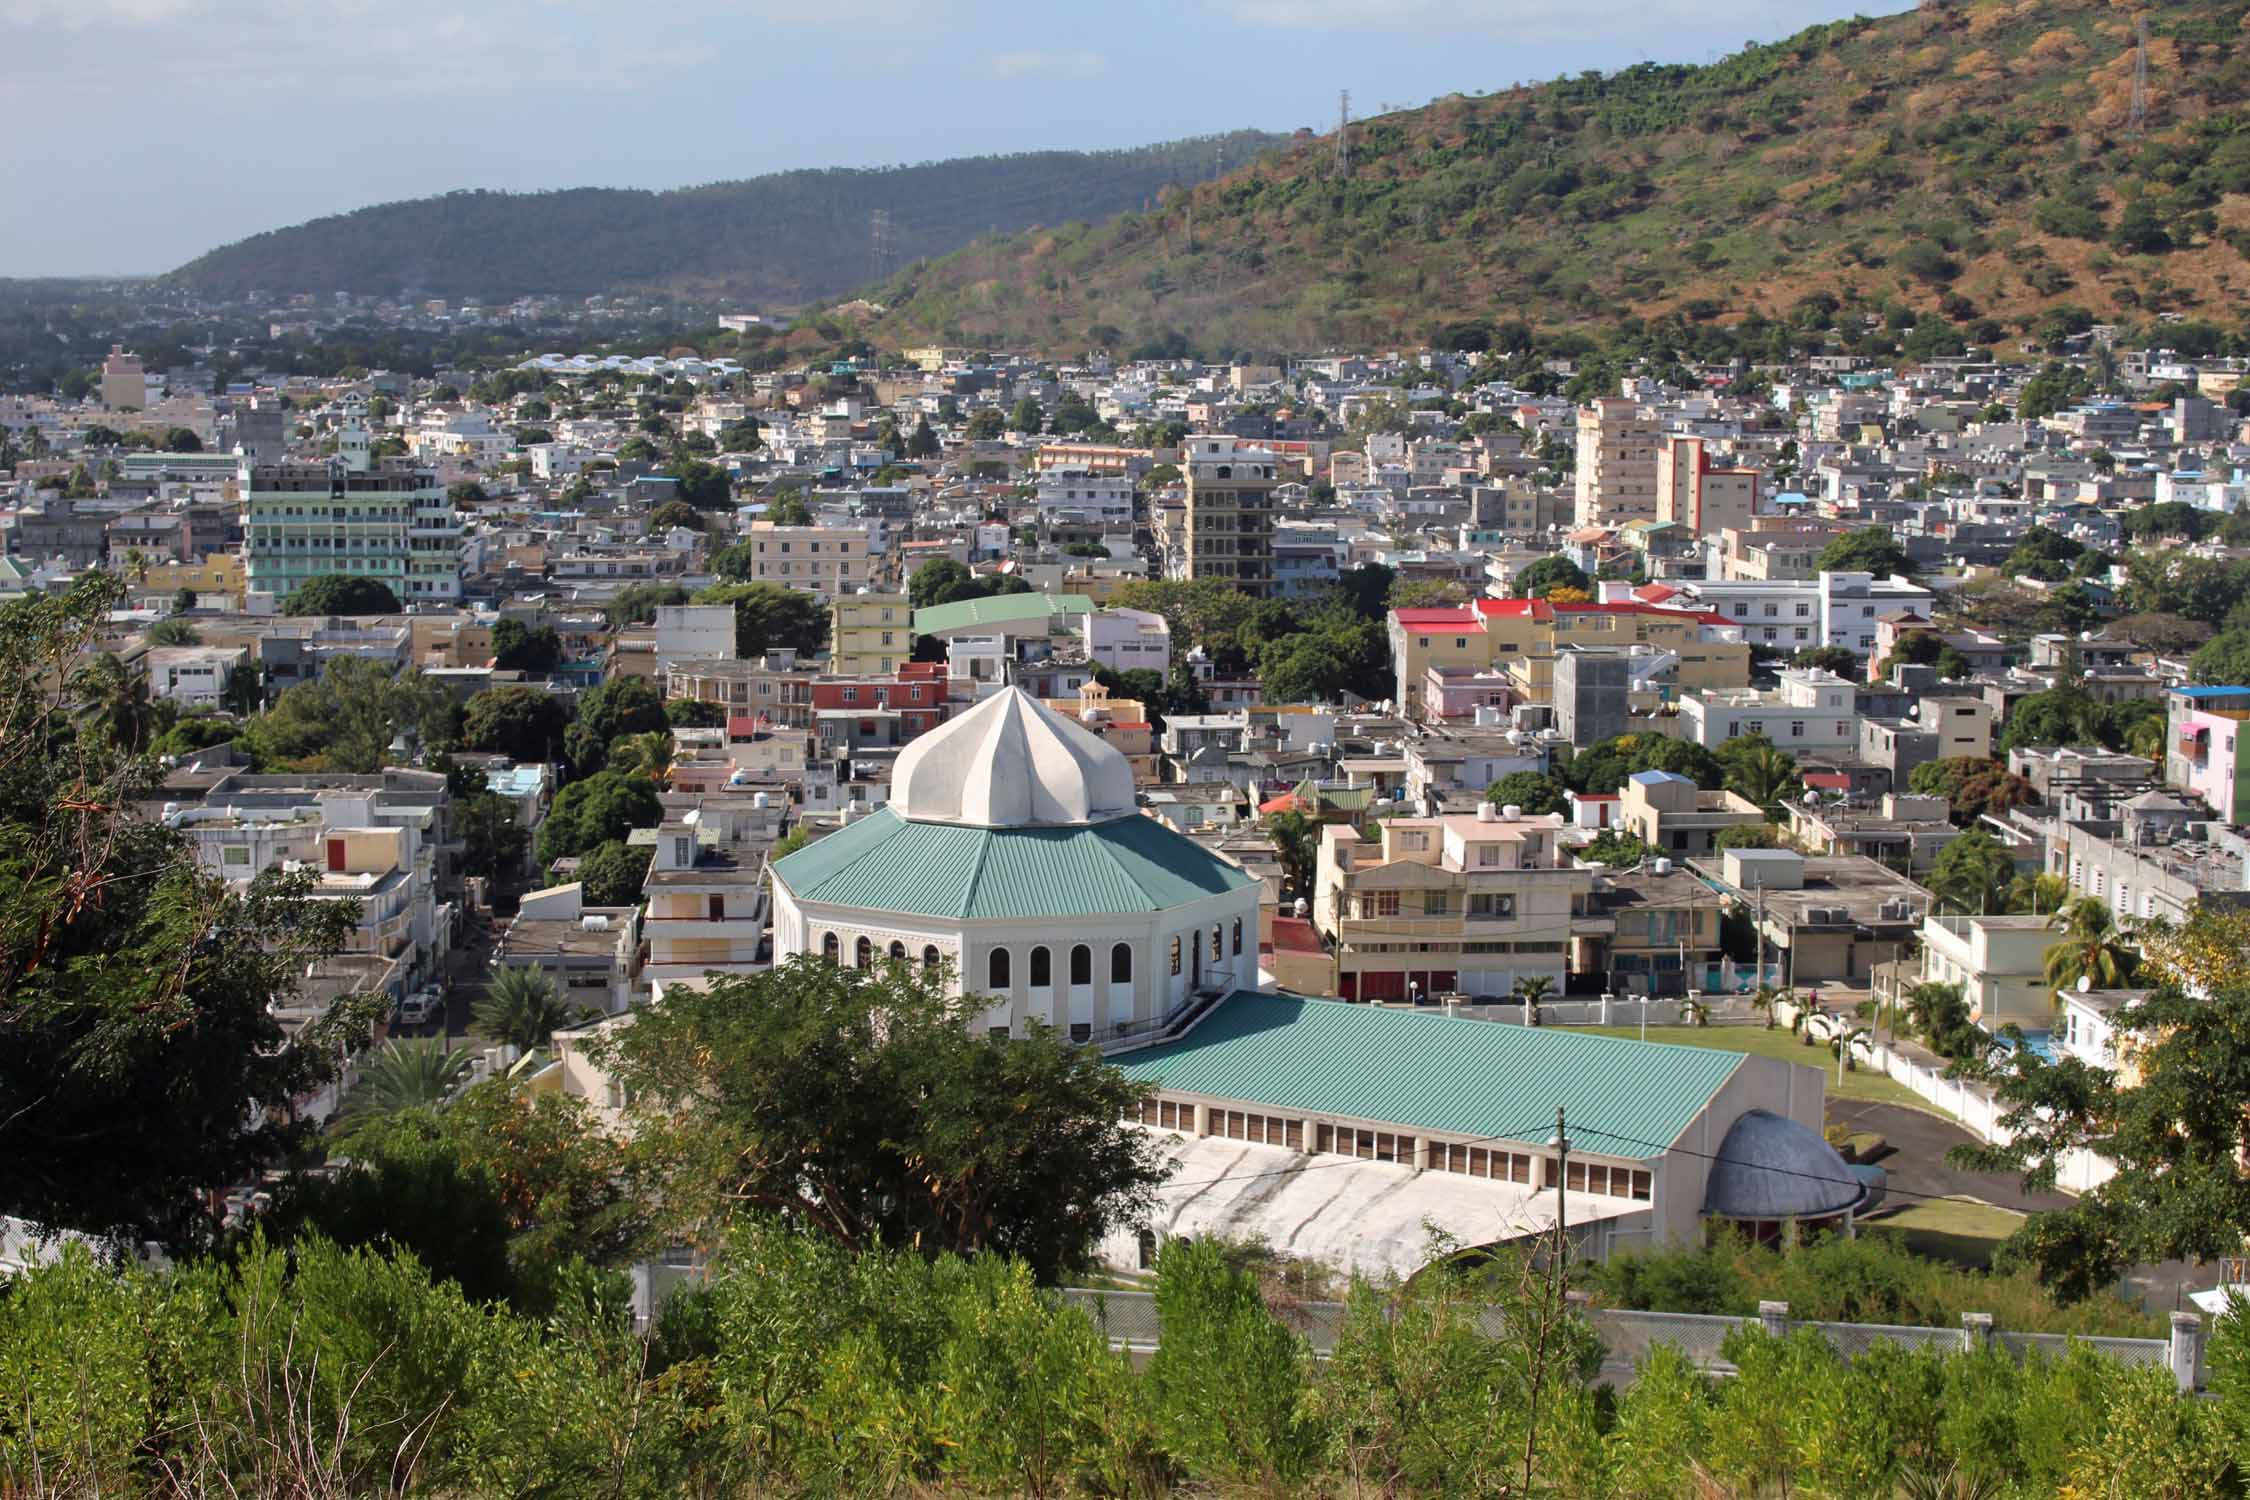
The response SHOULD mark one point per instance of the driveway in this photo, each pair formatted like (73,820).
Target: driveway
(1917,1165)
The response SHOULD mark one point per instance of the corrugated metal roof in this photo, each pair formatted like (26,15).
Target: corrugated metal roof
(1437,1072)
(889,863)
(997,609)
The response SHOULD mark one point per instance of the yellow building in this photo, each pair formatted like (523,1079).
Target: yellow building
(869,634)
(219,573)
(1460,903)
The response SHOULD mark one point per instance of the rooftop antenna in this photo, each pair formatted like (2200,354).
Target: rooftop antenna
(2139,114)
(1344,133)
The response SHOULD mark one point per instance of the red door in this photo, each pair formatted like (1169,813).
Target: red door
(1383,985)
(336,855)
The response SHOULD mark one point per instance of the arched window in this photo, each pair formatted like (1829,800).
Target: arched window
(1175,957)
(1081,965)
(1121,964)
(863,954)
(1042,968)
(898,949)
(930,959)
(828,946)
(1238,937)
(1218,943)
(996,970)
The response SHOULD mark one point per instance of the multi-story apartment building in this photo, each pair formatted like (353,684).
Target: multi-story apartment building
(1616,473)
(1101,497)
(124,380)
(773,687)
(1227,524)
(706,902)
(826,560)
(2201,753)
(1812,710)
(1467,903)
(1692,492)
(1672,813)
(1520,638)
(390,522)
(878,709)
(869,633)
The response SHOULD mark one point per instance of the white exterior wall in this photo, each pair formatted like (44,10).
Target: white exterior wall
(967,947)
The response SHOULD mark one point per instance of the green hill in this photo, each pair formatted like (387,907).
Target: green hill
(782,238)
(1978,158)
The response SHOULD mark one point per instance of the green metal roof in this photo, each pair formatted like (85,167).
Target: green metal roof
(1438,1072)
(999,609)
(894,864)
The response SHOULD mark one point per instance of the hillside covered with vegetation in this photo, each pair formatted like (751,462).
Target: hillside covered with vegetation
(1976,160)
(780,238)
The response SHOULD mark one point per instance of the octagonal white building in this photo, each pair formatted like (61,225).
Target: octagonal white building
(1012,849)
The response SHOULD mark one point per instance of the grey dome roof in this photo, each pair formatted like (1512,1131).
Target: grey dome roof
(1771,1167)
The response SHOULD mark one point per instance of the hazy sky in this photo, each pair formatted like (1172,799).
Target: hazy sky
(143,132)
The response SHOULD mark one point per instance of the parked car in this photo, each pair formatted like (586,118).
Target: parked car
(417,1008)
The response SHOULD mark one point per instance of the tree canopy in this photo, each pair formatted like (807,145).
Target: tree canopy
(867,1104)
(1546,575)
(340,594)
(522,723)
(770,616)
(596,810)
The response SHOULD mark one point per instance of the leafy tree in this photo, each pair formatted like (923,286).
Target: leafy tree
(1835,659)
(2175,1130)
(1542,578)
(1972,874)
(1296,838)
(769,616)
(2140,231)
(493,839)
(985,424)
(517,647)
(789,843)
(789,509)
(868,1105)
(637,603)
(1534,791)
(676,513)
(1365,590)
(1871,549)
(174,632)
(2059,716)
(121,709)
(1027,417)
(620,706)
(2089,948)
(597,810)
(2224,661)
(466,494)
(613,874)
(690,713)
(523,723)
(1748,836)
(945,581)
(923,444)
(523,1008)
(347,718)
(182,440)
(139,1047)
(702,485)
(340,594)
(1620,851)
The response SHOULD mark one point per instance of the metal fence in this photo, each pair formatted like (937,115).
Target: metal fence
(1129,1320)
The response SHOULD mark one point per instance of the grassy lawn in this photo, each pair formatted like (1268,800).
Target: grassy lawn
(1865,1083)
(1960,1230)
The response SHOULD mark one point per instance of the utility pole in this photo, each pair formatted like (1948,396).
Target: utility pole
(1561,1143)
(1344,133)
(881,242)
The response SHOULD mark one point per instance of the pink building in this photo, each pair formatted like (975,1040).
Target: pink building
(1456,694)
(2202,728)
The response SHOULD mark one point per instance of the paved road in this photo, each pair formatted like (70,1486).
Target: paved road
(1917,1165)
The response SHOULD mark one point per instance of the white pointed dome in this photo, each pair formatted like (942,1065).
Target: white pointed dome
(1011,762)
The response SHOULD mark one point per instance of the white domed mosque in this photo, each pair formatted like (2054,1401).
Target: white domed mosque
(1012,849)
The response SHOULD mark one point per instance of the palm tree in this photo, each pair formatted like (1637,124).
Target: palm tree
(1695,1013)
(2092,948)
(119,702)
(419,1073)
(2038,895)
(1531,989)
(174,631)
(1841,1044)
(521,1007)
(1763,776)
(2146,739)
(1763,999)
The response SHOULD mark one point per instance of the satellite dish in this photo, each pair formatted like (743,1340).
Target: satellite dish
(1812,798)
(2085,983)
